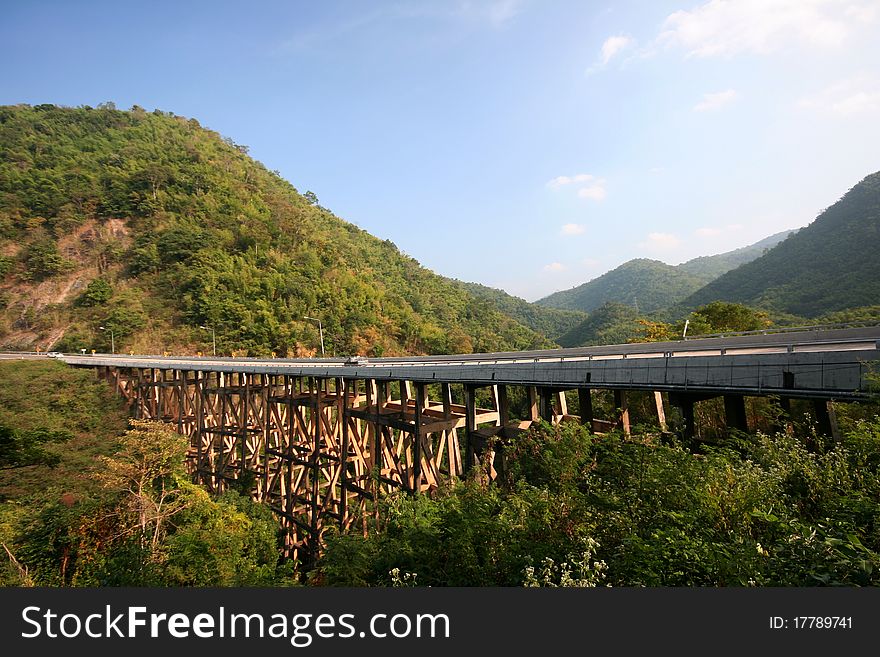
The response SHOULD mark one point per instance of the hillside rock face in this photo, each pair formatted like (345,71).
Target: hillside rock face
(151,226)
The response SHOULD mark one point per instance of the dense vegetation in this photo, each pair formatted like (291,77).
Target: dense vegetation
(109,506)
(584,510)
(612,323)
(644,284)
(151,226)
(711,267)
(651,285)
(828,266)
(552,322)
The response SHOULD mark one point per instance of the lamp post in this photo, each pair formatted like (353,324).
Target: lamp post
(112,339)
(213,337)
(685,332)
(320,332)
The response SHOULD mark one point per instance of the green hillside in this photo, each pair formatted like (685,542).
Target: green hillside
(548,321)
(646,284)
(830,265)
(151,226)
(711,267)
(612,323)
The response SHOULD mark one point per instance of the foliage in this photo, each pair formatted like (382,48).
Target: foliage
(197,233)
(578,509)
(613,323)
(19,449)
(148,526)
(645,285)
(552,322)
(711,267)
(828,266)
(97,292)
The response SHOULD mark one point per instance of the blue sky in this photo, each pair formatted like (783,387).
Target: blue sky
(527,145)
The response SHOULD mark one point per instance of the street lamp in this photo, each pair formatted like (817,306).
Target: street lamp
(112,339)
(320,331)
(213,337)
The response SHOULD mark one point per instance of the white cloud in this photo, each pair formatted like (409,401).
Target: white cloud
(727,28)
(591,262)
(596,192)
(573,229)
(850,97)
(660,242)
(561,181)
(612,46)
(588,185)
(715,101)
(554,266)
(656,170)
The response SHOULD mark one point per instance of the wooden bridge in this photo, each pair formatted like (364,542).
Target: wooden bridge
(318,439)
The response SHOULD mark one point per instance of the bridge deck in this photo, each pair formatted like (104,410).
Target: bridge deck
(810,364)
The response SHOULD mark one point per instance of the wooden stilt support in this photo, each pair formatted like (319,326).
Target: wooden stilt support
(826,419)
(622,405)
(661,413)
(585,402)
(735,413)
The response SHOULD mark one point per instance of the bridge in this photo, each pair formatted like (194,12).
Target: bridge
(318,439)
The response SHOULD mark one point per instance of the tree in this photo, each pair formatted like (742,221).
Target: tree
(724,317)
(149,471)
(19,449)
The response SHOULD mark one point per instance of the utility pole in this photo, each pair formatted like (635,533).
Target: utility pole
(112,339)
(320,331)
(213,338)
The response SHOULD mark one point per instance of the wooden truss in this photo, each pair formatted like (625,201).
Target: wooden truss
(322,451)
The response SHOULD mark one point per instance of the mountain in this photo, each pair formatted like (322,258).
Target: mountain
(828,266)
(651,285)
(711,267)
(548,321)
(611,323)
(137,228)
(646,284)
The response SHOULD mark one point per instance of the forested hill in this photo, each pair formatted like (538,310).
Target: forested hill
(830,265)
(552,322)
(711,267)
(648,284)
(150,226)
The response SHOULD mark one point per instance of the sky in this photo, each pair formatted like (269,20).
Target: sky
(529,145)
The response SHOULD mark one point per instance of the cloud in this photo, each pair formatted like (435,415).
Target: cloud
(591,262)
(561,181)
(660,242)
(554,266)
(728,28)
(715,101)
(847,98)
(596,192)
(612,46)
(573,229)
(588,185)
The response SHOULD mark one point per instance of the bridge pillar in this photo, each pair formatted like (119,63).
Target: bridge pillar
(661,413)
(622,405)
(534,411)
(826,418)
(585,402)
(470,426)
(735,413)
